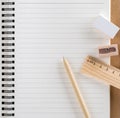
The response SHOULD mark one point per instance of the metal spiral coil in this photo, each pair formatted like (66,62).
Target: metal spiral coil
(8,58)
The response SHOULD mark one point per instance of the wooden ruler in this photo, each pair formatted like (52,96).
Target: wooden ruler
(102,71)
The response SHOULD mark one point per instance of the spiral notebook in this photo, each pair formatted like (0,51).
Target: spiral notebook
(35,35)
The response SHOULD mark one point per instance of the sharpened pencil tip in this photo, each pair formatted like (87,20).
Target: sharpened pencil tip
(63,59)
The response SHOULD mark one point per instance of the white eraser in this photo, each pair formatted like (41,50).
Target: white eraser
(105,26)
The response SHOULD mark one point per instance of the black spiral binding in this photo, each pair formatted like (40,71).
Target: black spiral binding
(8,58)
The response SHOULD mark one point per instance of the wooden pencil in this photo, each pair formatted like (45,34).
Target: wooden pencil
(76,88)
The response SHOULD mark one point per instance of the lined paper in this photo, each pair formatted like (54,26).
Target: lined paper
(47,30)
